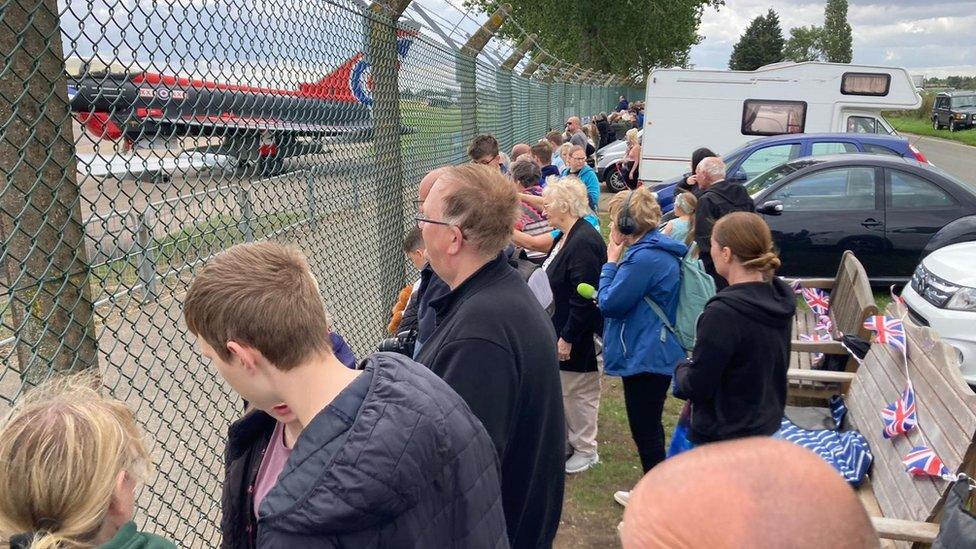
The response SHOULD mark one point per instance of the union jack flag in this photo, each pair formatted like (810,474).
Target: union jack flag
(888,331)
(817,336)
(899,417)
(825,324)
(921,461)
(817,300)
(796,286)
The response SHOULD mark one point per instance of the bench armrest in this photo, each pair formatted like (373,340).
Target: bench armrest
(822,283)
(828,347)
(826,376)
(905,530)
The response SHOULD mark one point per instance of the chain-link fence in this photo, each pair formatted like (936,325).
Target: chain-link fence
(139,138)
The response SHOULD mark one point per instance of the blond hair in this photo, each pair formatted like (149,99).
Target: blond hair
(62,448)
(483,204)
(750,240)
(631,136)
(567,194)
(687,203)
(263,295)
(643,208)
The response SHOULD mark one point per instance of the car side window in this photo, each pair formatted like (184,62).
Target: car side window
(880,149)
(863,124)
(908,191)
(768,158)
(848,188)
(832,147)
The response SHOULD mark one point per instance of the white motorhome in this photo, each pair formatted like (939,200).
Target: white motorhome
(721,110)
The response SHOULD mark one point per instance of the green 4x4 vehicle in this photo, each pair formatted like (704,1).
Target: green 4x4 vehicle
(955,110)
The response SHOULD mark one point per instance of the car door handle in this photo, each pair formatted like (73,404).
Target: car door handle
(870,222)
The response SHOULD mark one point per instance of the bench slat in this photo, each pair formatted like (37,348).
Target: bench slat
(905,530)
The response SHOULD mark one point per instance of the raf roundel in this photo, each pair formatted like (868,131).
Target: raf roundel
(359,83)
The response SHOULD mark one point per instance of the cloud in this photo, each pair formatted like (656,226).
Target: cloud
(925,37)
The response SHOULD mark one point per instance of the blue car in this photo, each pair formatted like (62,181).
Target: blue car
(761,155)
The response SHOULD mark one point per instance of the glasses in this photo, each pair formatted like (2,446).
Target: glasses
(419,218)
(484,161)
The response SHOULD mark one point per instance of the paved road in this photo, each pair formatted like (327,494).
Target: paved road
(955,158)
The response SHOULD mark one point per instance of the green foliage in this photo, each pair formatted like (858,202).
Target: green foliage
(761,44)
(956,82)
(622,37)
(837,43)
(804,44)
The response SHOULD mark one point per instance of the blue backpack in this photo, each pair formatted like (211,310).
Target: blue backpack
(697,287)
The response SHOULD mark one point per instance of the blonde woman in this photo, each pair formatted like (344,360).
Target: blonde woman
(577,254)
(71,461)
(633,158)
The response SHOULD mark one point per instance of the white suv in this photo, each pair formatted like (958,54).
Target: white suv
(942,295)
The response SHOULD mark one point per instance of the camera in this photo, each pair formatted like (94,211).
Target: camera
(402,343)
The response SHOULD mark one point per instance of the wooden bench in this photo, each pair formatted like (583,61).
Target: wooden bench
(903,507)
(851,303)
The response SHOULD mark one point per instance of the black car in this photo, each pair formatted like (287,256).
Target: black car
(955,110)
(890,211)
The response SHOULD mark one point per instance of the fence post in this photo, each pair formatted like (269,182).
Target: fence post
(147,257)
(467,64)
(504,80)
(245,224)
(45,261)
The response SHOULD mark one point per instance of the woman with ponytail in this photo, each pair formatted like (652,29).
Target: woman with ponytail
(72,459)
(736,376)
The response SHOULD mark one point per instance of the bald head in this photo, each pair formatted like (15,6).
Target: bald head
(754,492)
(428,181)
(520,149)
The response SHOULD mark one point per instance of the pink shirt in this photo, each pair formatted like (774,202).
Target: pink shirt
(275,457)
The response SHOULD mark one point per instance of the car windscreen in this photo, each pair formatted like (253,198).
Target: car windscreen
(961,101)
(767,178)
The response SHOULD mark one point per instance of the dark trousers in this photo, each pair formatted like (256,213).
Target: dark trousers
(644,396)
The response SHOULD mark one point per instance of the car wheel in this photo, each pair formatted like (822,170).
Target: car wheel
(952,125)
(935,124)
(615,181)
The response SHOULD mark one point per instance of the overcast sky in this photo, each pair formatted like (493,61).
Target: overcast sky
(934,38)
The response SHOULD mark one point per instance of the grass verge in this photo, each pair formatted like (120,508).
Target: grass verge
(924,127)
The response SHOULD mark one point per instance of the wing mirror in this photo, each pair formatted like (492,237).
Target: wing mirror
(738,176)
(771,207)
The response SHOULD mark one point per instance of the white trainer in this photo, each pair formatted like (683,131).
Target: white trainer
(622,497)
(577,463)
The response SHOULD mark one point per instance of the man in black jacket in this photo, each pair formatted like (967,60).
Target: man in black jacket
(389,456)
(496,346)
(718,198)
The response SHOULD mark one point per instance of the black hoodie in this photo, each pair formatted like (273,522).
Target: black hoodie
(715,202)
(736,376)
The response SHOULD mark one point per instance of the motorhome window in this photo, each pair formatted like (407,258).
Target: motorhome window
(863,124)
(772,117)
(865,83)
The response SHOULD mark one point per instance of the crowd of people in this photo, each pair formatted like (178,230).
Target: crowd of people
(464,436)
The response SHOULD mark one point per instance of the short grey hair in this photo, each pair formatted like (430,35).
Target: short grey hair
(526,173)
(713,167)
(567,194)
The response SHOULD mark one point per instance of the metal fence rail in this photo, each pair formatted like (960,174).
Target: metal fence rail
(138,139)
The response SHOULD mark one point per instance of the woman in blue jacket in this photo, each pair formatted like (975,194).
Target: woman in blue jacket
(637,287)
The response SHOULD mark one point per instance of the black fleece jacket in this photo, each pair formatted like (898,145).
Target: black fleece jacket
(718,200)
(736,376)
(496,347)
